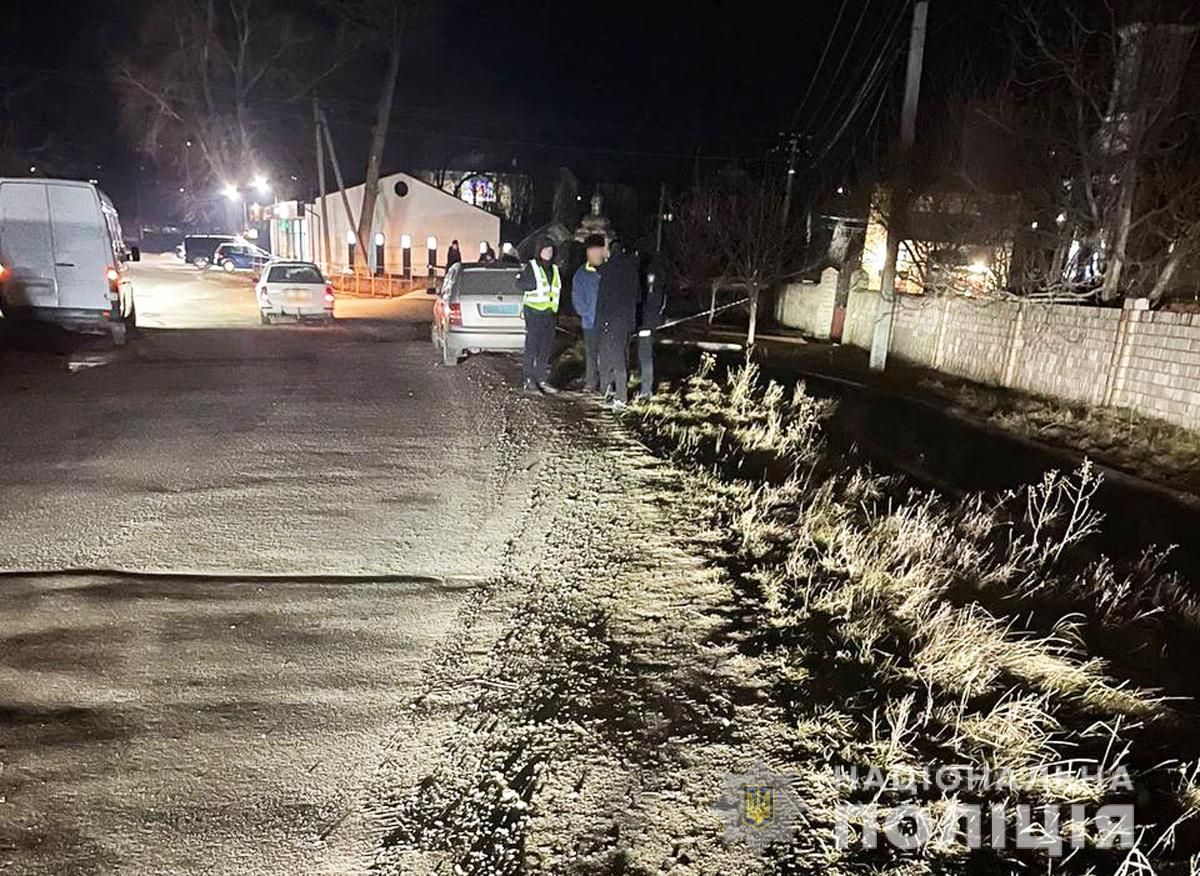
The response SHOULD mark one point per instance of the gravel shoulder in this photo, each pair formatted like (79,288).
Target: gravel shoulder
(587,717)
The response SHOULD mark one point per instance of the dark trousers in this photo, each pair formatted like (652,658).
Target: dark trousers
(539,344)
(611,355)
(646,364)
(591,368)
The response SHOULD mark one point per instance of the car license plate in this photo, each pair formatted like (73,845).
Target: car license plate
(296,295)
(499,309)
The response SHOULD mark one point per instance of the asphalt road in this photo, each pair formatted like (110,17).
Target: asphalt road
(269,528)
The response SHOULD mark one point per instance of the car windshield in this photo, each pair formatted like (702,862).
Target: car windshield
(487,282)
(295,274)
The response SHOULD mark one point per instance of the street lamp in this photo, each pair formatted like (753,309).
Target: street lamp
(406,255)
(261,185)
(378,253)
(231,192)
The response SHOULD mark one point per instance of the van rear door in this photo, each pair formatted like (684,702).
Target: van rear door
(26,245)
(82,252)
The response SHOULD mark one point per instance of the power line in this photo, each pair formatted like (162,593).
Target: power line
(883,37)
(821,62)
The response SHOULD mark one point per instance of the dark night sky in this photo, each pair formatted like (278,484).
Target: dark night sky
(617,90)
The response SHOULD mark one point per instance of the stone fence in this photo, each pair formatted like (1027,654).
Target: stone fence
(1141,359)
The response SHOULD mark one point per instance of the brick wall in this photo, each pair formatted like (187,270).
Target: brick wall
(1158,368)
(808,306)
(1145,360)
(860,318)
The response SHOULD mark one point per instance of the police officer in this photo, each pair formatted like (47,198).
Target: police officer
(541,284)
(585,288)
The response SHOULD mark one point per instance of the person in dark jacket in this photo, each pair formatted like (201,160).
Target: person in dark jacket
(585,287)
(651,306)
(616,316)
(541,285)
(453,256)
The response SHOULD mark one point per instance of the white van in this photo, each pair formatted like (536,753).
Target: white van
(62,259)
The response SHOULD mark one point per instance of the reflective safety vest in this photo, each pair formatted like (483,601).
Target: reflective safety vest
(545,296)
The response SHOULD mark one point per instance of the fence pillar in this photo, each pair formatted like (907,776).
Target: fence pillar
(1119,357)
(1012,351)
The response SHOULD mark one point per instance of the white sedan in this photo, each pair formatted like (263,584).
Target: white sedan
(294,289)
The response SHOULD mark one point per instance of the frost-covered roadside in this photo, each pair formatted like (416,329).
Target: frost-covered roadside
(581,722)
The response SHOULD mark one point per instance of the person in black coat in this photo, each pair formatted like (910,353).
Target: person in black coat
(453,255)
(616,318)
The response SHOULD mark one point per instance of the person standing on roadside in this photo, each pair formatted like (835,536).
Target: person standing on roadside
(453,255)
(541,285)
(616,316)
(651,306)
(585,288)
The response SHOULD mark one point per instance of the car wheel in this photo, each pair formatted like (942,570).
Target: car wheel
(449,356)
(200,262)
(229,266)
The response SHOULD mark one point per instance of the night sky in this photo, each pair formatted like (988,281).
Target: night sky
(621,91)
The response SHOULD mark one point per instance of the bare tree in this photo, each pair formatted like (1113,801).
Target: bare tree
(737,240)
(1102,117)
(389,25)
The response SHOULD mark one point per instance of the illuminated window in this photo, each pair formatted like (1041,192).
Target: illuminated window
(477,190)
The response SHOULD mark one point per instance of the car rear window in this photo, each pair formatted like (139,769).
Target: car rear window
(488,282)
(295,274)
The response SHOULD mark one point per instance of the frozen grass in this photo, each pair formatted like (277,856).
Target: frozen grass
(908,631)
(1144,446)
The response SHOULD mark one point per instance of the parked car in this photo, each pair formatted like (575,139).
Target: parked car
(295,289)
(198,249)
(477,310)
(62,257)
(237,256)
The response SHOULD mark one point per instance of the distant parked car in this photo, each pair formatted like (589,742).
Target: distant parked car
(198,249)
(231,257)
(294,289)
(478,310)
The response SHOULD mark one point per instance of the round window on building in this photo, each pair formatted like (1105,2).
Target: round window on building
(400,188)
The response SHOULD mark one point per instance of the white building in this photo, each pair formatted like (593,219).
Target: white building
(407,210)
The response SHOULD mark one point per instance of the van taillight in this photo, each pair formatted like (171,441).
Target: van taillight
(3,271)
(454,314)
(113,275)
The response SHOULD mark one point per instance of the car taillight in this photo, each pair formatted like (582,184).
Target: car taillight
(454,314)
(114,283)
(329,295)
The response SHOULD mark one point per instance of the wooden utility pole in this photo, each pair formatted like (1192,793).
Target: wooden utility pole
(337,175)
(898,201)
(793,141)
(325,251)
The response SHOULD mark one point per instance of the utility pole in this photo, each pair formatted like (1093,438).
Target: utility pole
(899,198)
(325,252)
(337,174)
(662,208)
(793,141)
